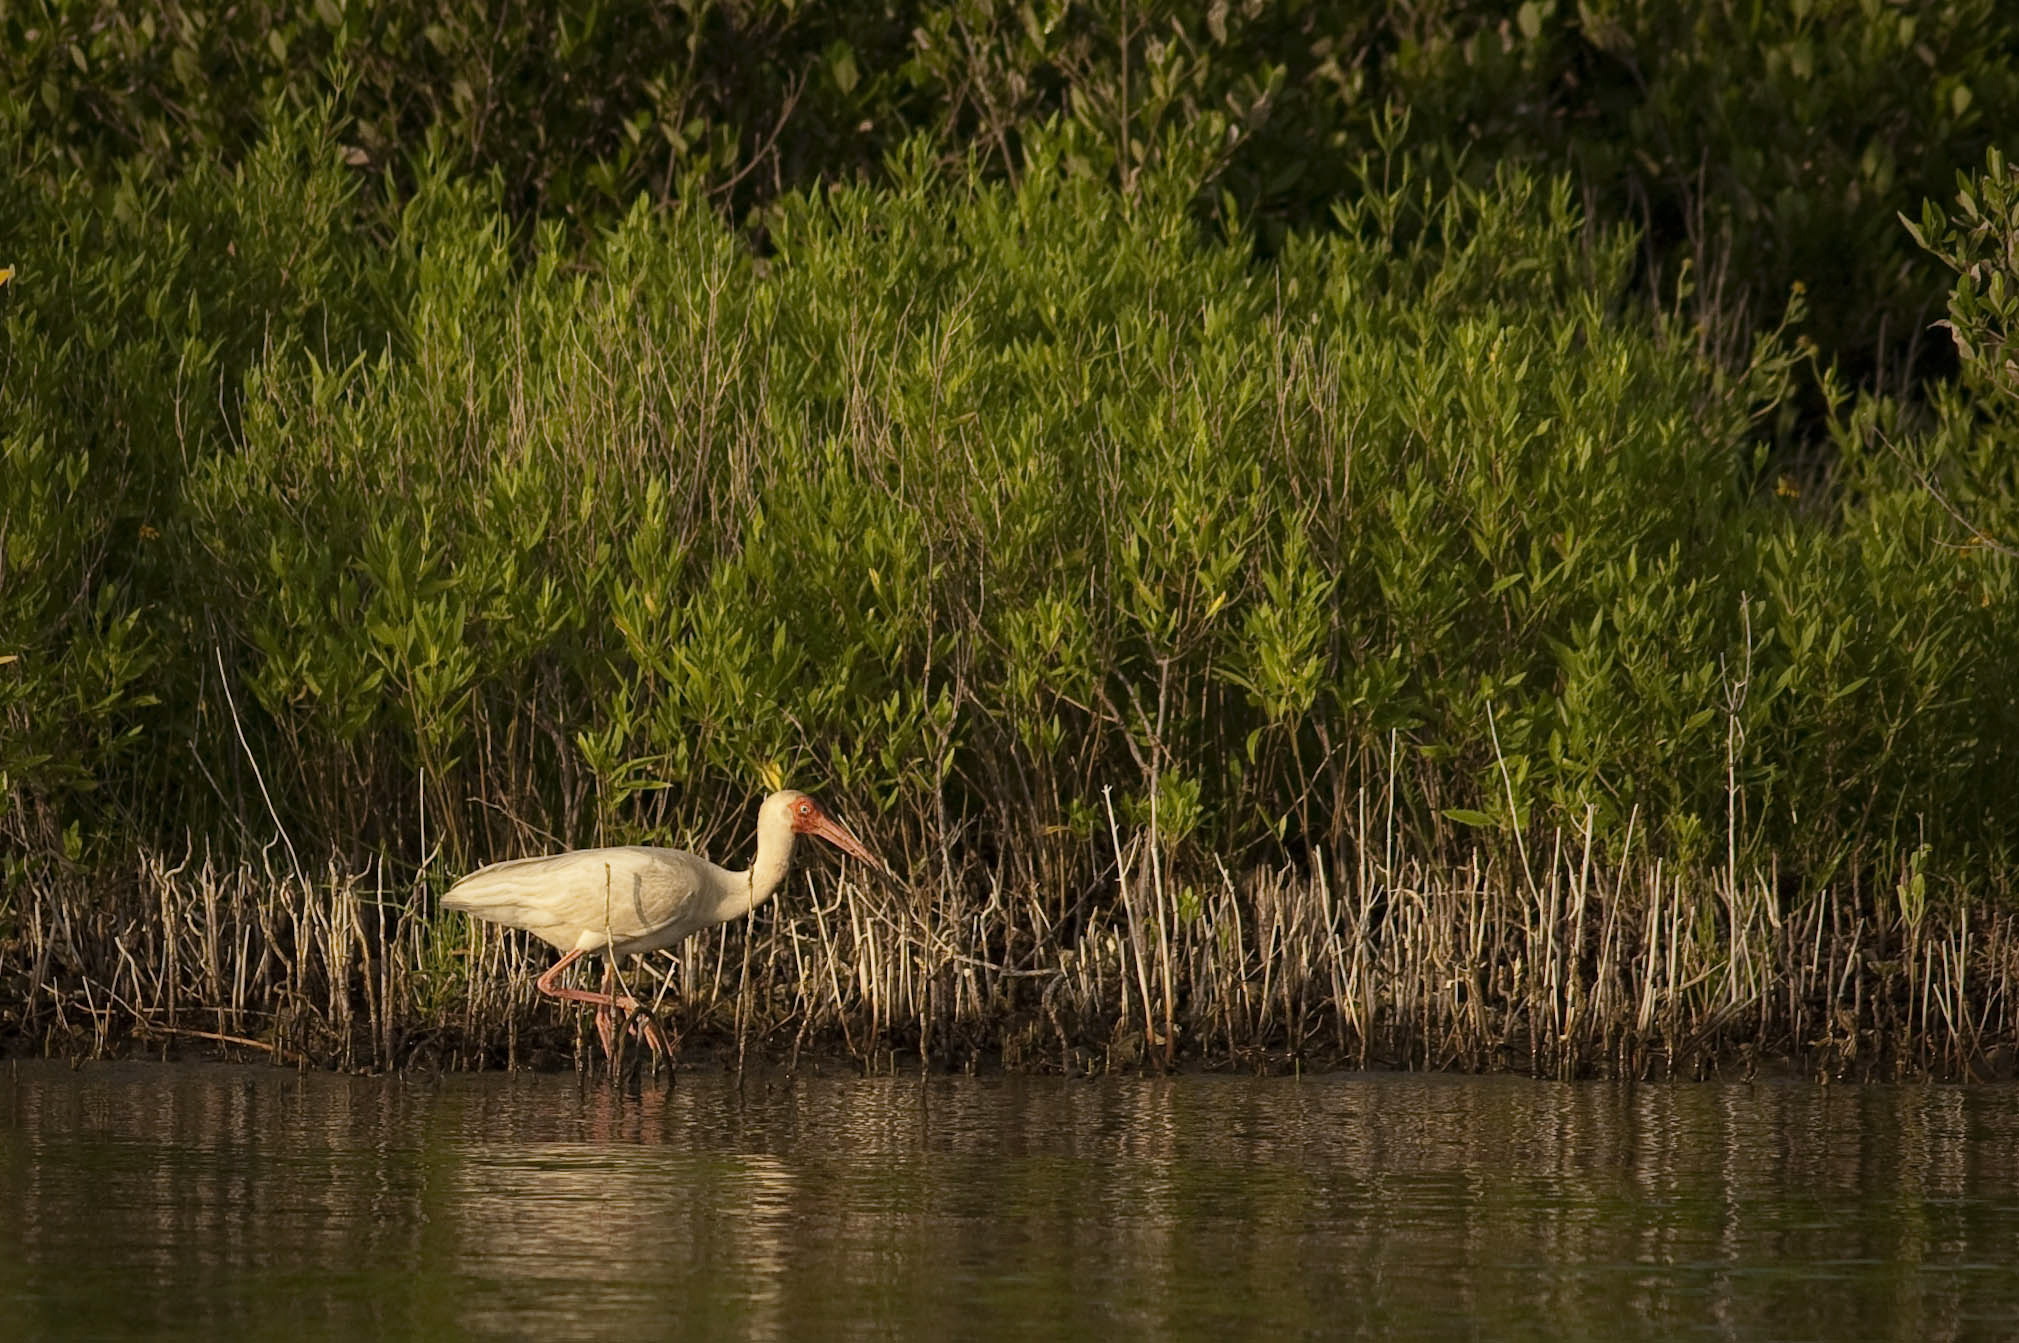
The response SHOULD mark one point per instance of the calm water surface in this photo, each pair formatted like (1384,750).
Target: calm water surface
(152,1200)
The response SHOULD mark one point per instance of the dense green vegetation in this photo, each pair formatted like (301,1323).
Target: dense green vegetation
(1080,442)
(1754,146)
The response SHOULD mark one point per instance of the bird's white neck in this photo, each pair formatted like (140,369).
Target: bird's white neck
(766,873)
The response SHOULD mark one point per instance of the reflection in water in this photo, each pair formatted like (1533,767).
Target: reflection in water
(139,1199)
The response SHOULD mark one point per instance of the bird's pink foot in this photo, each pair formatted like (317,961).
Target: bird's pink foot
(648,1026)
(606,1028)
(607,1005)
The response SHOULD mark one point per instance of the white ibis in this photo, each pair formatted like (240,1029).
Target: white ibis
(623,901)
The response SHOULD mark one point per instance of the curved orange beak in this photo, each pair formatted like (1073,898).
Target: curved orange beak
(831,830)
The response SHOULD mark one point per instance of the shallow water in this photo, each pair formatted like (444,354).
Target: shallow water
(158,1200)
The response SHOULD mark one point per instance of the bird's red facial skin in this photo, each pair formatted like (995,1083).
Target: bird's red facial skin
(809,819)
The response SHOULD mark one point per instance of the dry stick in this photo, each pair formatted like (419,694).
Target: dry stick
(1671,966)
(866,976)
(1507,781)
(1524,982)
(675,964)
(802,1006)
(720,936)
(1329,911)
(1345,1003)
(771,966)
(1996,962)
(1279,950)
(38,957)
(224,681)
(242,965)
(91,1010)
(1476,926)
(1234,978)
(1163,939)
(1978,1019)
(743,991)
(1619,888)
(57,1003)
(149,1028)
(213,965)
(1606,1002)
(1129,909)
(1927,985)
(1816,960)
(1953,1012)
(858,973)
(383,1042)
(1265,955)
(1577,1005)
(126,958)
(166,997)
(1365,990)
(1551,924)
(833,979)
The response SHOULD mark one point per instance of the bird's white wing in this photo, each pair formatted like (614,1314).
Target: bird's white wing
(588,897)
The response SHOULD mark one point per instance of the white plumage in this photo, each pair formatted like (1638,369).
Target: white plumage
(632,899)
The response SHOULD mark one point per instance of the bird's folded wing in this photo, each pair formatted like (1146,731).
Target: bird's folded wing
(626,893)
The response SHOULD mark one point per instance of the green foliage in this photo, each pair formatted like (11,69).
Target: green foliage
(1757,146)
(1980,242)
(1754,146)
(136,308)
(578,107)
(968,498)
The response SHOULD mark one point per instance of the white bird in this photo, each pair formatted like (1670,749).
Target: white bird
(633,899)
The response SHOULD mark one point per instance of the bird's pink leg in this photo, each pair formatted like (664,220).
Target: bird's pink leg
(606,1003)
(645,1024)
(549,984)
(606,1014)
(653,1036)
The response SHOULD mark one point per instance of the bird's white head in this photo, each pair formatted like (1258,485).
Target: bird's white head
(791,811)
